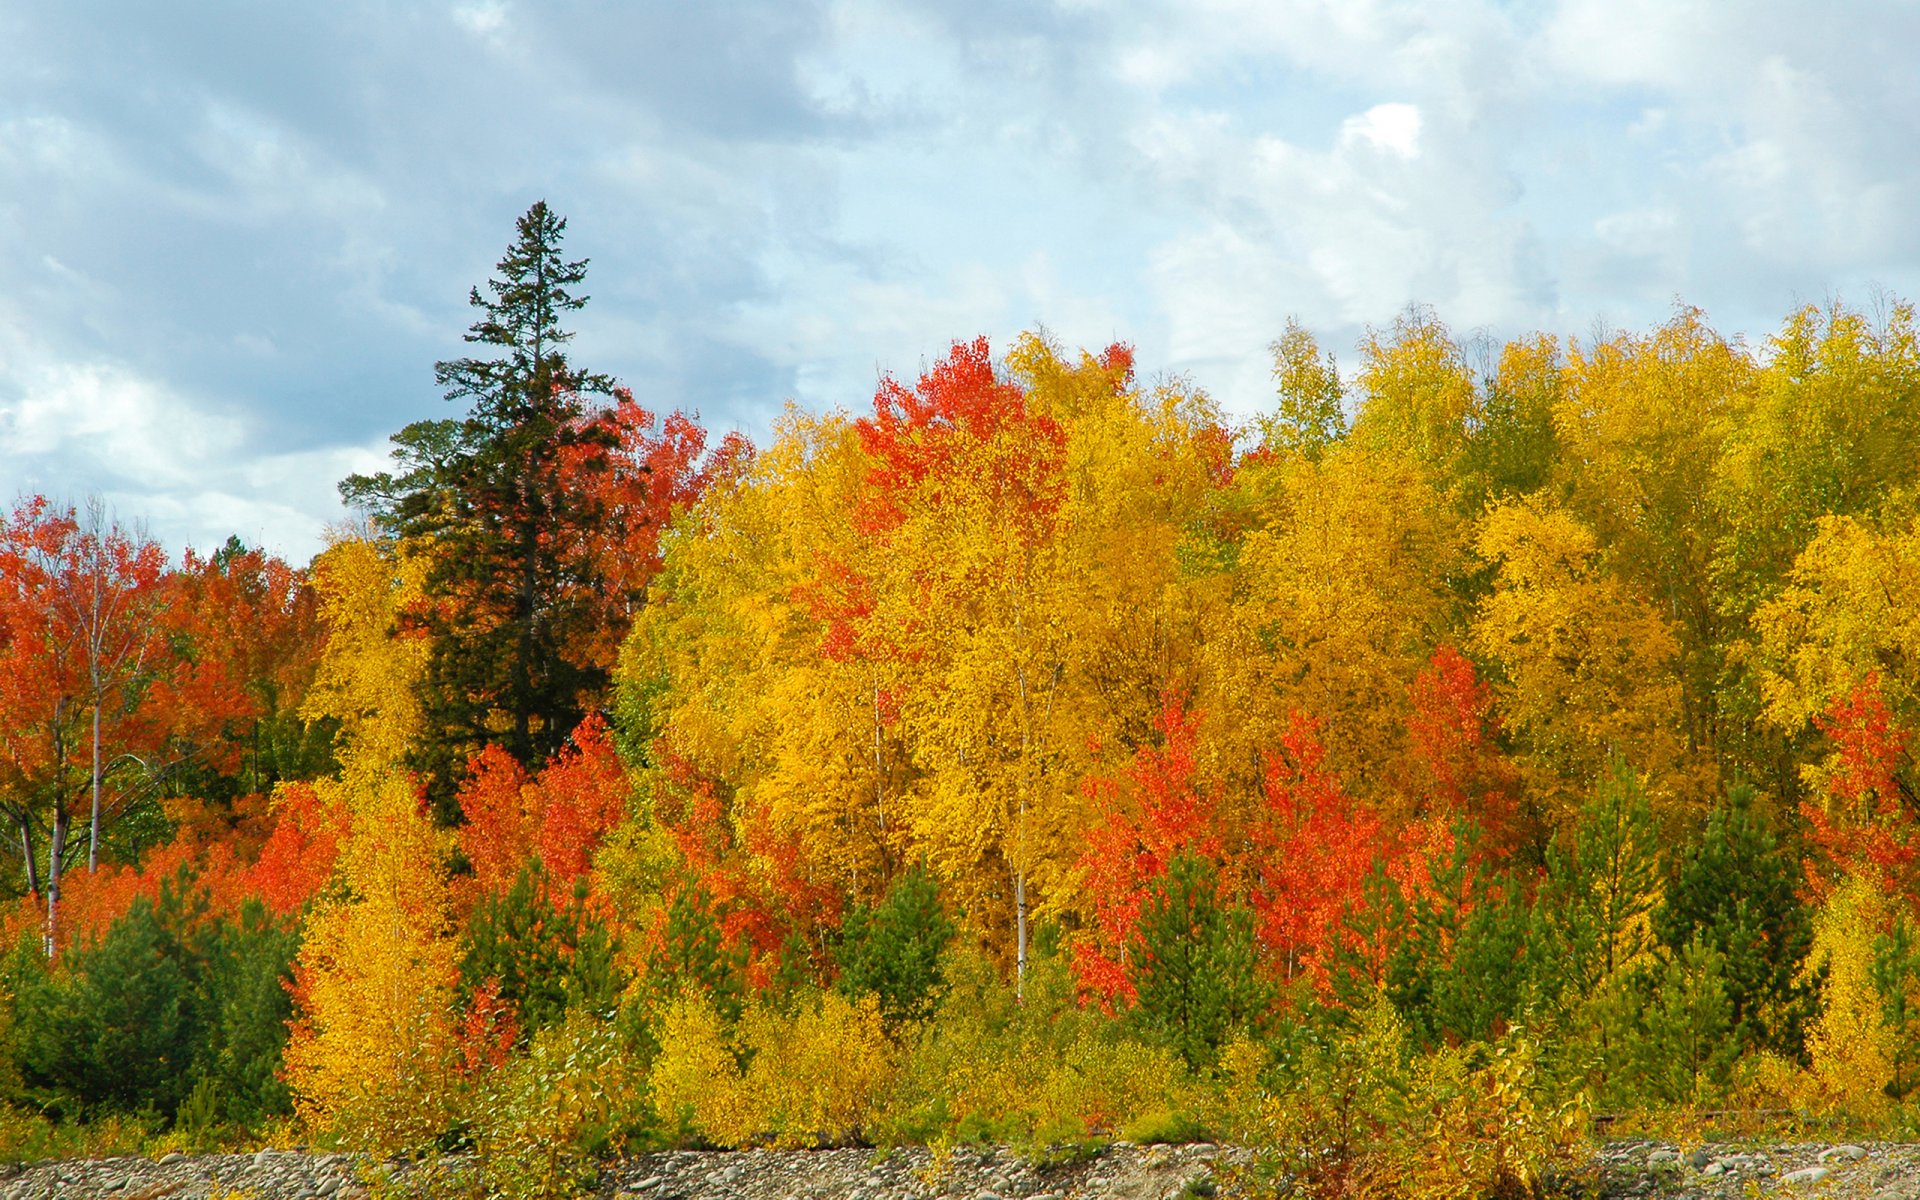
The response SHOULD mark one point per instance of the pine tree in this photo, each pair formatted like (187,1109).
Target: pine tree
(497,501)
(1736,893)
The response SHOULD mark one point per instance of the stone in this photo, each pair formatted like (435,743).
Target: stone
(1846,1153)
(1805,1176)
(1698,1159)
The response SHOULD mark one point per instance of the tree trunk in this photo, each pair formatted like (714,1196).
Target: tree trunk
(27,855)
(1020,935)
(93,826)
(56,848)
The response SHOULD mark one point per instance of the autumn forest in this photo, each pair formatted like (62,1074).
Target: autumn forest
(1487,745)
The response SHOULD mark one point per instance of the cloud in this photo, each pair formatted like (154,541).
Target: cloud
(235,239)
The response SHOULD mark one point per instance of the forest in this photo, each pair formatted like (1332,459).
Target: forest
(1487,748)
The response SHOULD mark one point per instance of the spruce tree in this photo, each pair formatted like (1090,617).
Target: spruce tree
(1734,892)
(496,501)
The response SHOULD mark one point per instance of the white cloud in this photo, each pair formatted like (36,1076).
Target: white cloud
(190,474)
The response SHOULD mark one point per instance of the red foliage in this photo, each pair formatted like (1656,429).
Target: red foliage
(498,835)
(582,795)
(636,473)
(488,1031)
(298,857)
(1159,814)
(560,816)
(1872,829)
(1312,849)
(1460,767)
(926,443)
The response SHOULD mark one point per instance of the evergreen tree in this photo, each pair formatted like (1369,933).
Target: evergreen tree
(544,956)
(893,949)
(1196,976)
(1735,893)
(497,501)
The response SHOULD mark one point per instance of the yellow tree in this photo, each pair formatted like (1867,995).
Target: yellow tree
(374,981)
(1589,669)
(1831,430)
(1851,607)
(969,493)
(1641,429)
(1417,398)
(1341,592)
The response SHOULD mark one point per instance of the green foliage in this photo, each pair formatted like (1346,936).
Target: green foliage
(493,502)
(694,956)
(1036,1070)
(1197,976)
(171,1012)
(1347,1108)
(1683,1041)
(573,1098)
(1591,914)
(1735,892)
(1456,962)
(893,950)
(1895,973)
(544,958)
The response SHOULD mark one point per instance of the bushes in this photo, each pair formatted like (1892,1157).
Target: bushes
(170,1011)
(814,1075)
(537,956)
(1196,981)
(575,1096)
(893,951)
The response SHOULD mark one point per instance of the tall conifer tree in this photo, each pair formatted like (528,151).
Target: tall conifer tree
(498,503)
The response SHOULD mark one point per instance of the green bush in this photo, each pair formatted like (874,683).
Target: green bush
(1196,976)
(573,1098)
(168,1004)
(545,957)
(893,950)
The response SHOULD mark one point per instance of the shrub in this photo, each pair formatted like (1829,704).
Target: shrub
(812,1075)
(575,1096)
(539,957)
(1196,980)
(170,1012)
(893,950)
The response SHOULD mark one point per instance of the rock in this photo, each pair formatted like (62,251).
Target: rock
(647,1184)
(168,1160)
(1805,1176)
(1663,1158)
(1847,1153)
(1698,1159)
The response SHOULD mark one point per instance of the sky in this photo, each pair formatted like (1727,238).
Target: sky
(236,236)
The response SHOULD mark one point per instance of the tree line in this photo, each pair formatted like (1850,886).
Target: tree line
(1030,753)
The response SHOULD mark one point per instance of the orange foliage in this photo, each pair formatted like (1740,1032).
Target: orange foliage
(561,815)
(1461,770)
(1312,847)
(1159,814)
(1870,829)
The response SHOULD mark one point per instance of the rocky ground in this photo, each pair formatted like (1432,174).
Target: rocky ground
(1870,1171)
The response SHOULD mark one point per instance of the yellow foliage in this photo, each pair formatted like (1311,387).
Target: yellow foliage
(1589,666)
(366,674)
(1853,1052)
(813,1076)
(1343,596)
(570,1100)
(1852,605)
(1041,1072)
(1418,401)
(370,1056)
